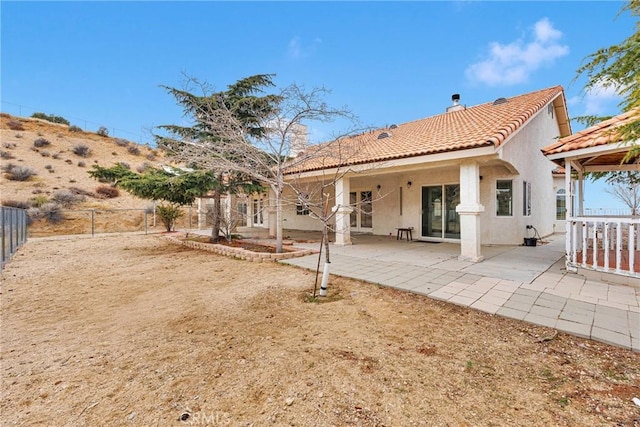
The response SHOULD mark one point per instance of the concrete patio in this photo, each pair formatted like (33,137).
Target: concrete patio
(519,282)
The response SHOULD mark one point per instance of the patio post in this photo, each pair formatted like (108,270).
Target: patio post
(469,210)
(569,190)
(343,211)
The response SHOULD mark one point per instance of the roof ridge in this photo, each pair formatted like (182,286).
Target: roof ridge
(557,87)
(518,121)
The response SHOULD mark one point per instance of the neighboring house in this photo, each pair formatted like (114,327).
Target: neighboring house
(472,175)
(602,243)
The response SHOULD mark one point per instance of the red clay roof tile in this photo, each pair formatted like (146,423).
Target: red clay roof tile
(473,127)
(601,134)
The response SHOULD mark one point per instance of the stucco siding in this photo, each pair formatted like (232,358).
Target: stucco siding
(523,153)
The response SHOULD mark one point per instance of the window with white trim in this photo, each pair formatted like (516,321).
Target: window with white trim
(561,205)
(526,198)
(302,205)
(504,197)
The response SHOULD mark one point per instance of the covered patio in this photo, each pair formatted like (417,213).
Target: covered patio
(606,244)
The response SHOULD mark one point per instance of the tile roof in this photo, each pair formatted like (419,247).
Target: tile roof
(601,134)
(471,127)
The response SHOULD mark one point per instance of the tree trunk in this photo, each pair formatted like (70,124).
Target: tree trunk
(215,231)
(278,190)
(327,259)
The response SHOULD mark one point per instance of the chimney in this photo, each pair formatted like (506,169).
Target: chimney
(455,98)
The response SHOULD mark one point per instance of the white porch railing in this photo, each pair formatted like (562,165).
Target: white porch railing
(606,244)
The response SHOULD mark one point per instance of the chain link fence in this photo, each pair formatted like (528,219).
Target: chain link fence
(14,231)
(101,221)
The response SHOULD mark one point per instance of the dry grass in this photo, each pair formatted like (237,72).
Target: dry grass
(133,330)
(60,168)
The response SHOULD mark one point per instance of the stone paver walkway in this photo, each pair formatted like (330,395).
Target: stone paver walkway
(522,283)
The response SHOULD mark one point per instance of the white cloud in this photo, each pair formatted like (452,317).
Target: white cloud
(513,63)
(296,49)
(598,101)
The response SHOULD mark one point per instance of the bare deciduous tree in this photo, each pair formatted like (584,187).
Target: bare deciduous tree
(628,193)
(313,194)
(255,136)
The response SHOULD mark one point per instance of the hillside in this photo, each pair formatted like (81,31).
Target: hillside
(48,150)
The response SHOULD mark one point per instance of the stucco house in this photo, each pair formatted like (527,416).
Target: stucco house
(472,175)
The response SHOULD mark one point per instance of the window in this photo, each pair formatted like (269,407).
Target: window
(302,206)
(526,198)
(561,205)
(504,198)
(242,211)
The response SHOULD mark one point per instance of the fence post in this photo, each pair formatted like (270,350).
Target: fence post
(4,239)
(93,225)
(145,222)
(12,234)
(13,222)
(190,226)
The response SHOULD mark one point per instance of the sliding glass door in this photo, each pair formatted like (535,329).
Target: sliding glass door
(439,217)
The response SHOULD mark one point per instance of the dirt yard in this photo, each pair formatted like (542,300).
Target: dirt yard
(134,330)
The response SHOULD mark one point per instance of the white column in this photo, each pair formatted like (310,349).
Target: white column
(201,214)
(581,193)
(568,192)
(343,210)
(469,210)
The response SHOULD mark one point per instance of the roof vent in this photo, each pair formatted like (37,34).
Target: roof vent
(393,126)
(384,135)
(499,101)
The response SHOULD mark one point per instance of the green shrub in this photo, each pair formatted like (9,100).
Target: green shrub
(107,191)
(50,118)
(81,150)
(168,215)
(41,142)
(102,131)
(125,165)
(74,128)
(39,200)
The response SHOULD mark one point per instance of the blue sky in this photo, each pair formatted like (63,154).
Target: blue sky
(102,63)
